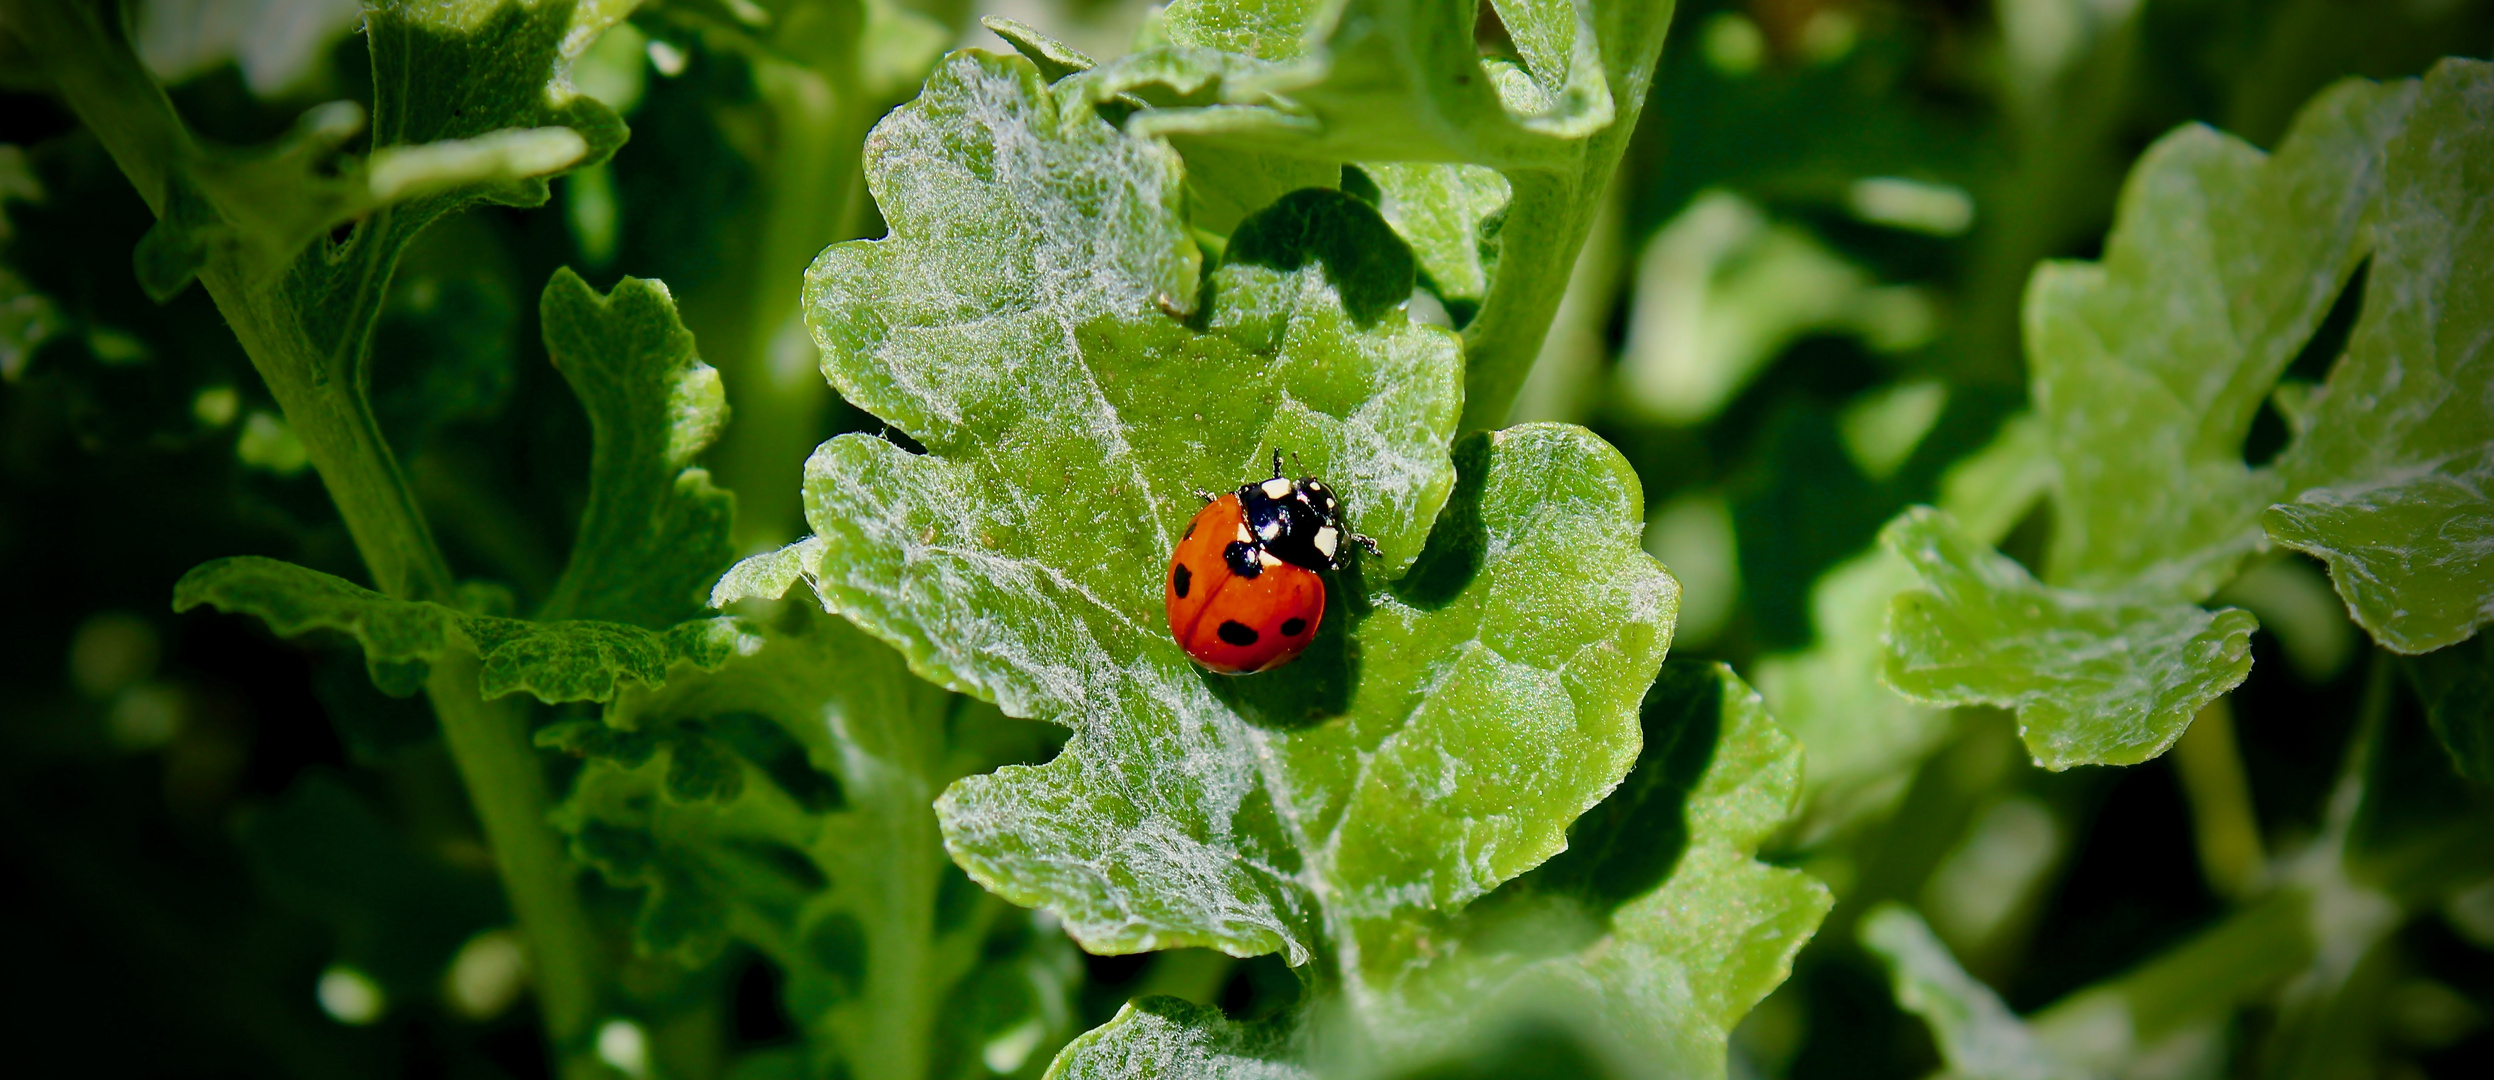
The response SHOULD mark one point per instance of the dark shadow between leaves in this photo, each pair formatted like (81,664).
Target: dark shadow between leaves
(1459,539)
(1626,846)
(1370,267)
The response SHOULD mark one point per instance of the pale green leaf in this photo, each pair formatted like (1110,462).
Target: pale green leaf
(1977,1033)
(1164,1038)
(2096,678)
(1015,324)
(2149,366)
(2393,485)
(1449,214)
(655,533)
(575,660)
(783,800)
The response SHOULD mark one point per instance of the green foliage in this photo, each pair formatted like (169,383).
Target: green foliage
(1481,828)
(2148,371)
(573,660)
(2095,679)
(2393,478)
(655,533)
(781,800)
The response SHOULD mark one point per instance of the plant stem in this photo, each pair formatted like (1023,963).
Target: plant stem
(771,371)
(317,384)
(2222,820)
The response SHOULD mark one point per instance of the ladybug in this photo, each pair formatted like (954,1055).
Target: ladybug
(1243,589)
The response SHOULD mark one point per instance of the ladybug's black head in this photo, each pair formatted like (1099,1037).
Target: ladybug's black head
(1296,522)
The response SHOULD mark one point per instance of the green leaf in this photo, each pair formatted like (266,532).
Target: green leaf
(2393,485)
(473,105)
(2149,366)
(1441,732)
(2149,369)
(1692,930)
(1978,1035)
(1451,215)
(575,660)
(1403,80)
(2096,678)
(1862,737)
(1165,1038)
(786,804)
(2456,683)
(655,533)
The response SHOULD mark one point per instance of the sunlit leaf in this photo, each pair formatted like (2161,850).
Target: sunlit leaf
(2096,678)
(1439,734)
(2149,366)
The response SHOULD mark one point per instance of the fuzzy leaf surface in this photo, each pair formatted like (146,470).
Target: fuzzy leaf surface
(1165,1038)
(655,533)
(1440,732)
(2149,366)
(2095,678)
(573,660)
(2394,481)
(783,800)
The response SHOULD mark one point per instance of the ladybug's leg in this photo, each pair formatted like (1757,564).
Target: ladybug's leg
(1205,495)
(1370,543)
(1277,463)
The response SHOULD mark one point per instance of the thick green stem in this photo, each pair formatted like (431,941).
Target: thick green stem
(772,375)
(91,64)
(1549,213)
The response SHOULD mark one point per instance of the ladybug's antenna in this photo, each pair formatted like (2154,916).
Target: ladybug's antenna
(1277,463)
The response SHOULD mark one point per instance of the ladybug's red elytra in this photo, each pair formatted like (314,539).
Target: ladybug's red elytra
(1244,589)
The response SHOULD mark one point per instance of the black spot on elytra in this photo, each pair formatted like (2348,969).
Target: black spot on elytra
(1292,627)
(1190,532)
(1236,632)
(1179,579)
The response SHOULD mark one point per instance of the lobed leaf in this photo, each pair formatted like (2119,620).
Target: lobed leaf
(1440,733)
(2095,678)
(2149,366)
(2393,481)
(489,118)
(654,535)
(1692,931)
(572,660)
(801,826)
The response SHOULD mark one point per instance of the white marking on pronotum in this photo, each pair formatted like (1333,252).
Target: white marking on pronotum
(1244,536)
(1276,488)
(1266,557)
(1325,541)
